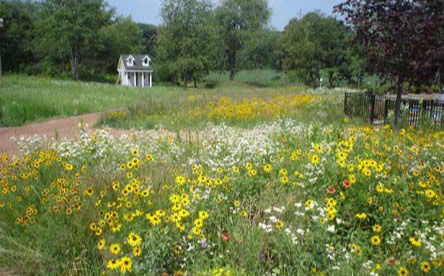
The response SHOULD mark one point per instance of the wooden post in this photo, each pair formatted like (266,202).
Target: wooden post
(372,107)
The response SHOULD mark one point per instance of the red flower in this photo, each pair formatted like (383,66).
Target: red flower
(226,236)
(331,190)
(391,261)
(346,184)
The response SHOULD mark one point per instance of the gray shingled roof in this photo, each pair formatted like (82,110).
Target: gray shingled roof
(138,63)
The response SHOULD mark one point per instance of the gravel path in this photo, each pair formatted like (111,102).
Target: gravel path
(63,127)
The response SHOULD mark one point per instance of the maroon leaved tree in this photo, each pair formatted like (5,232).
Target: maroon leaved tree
(402,38)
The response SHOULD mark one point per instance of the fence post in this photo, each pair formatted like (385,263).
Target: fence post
(372,107)
(345,103)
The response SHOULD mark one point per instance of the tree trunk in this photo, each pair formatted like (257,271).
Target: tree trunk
(232,73)
(195,82)
(398,103)
(330,79)
(232,64)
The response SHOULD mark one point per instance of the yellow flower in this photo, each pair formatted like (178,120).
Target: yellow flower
(252,172)
(198,223)
(149,157)
(430,194)
(361,215)
(101,244)
(268,168)
(180,226)
(196,231)
(366,172)
(402,271)
(315,159)
(137,251)
(89,191)
(284,179)
(279,224)
(415,242)
(134,239)
(376,240)
(174,198)
(68,167)
(377,228)
(203,215)
(380,188)
(115,249)
(425,267)
(180,180)
(126,265)
(113,264)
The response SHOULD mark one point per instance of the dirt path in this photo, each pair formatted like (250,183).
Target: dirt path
(64,127)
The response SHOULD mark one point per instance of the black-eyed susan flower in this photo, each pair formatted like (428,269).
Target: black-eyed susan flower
(137,251)
(375,240)
(402,271)
(101,244)
(126,265)
(115,249)
(113,264)
(134,239)
(426,267)
(377,228)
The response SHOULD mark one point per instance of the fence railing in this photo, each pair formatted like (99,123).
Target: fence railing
(380,109)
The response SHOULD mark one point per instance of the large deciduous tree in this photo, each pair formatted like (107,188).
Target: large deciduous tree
(67,31)
(16,34)
(123,36)
(314,43)
(403,39)
(241,21)
(186,46)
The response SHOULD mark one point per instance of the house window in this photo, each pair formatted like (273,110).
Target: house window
(130,61)
(146,61)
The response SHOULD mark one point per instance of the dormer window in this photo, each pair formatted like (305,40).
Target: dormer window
(146,61)
(130,61)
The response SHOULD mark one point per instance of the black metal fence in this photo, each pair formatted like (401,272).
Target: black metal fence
(379,109)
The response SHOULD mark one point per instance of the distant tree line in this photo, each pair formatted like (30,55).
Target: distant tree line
(77,38)
(83,39)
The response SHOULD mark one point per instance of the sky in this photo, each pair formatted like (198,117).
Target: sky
(148,11)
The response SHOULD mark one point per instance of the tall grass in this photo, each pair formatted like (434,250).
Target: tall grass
(25,99)
(261,78)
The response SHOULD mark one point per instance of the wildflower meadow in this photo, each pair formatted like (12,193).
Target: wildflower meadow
(279,198)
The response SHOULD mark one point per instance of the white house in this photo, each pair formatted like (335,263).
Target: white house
(135,70)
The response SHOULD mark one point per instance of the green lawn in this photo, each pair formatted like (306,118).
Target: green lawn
(25,99)
(261,78)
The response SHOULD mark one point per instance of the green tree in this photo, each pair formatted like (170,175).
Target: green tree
(241,21)
(186,45)
(258,51)
(299,58)
(67,30)
(123,36)
(314,43)
(16,34)
(149,37)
